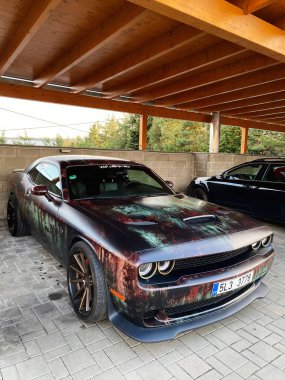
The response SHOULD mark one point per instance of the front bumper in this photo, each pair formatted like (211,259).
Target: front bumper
(190,290)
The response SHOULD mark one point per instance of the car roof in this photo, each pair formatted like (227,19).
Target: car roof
(270,159)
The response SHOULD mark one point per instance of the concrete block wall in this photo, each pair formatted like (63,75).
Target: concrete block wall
(176,167)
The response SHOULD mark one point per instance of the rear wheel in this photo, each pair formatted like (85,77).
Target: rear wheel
(86,284)
(199,194)
(14,219)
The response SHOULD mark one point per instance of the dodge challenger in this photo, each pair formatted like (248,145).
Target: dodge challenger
(155,262)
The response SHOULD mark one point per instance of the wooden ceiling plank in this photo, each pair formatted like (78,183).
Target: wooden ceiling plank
(227,21)
(59,97)
(263,114)
(246,81)
(236,95)
(254,124)
(251,6)
(160,46)
(258,108)
(246,104)
(203,58)
(31,23)
(227,71)
(109,30)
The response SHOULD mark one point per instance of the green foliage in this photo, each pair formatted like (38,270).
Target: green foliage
(230,139)
(3,139)
(266,142)
(23,140)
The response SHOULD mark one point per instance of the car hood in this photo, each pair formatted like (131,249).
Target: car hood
(162,221)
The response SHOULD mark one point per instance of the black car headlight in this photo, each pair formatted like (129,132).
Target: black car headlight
(147,270)
(165,267)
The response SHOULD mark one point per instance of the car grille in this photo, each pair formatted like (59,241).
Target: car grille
(197,307)
(213,261)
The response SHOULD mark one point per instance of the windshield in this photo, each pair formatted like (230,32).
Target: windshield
(110,181)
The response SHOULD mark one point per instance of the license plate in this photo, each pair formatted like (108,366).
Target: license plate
(232,284)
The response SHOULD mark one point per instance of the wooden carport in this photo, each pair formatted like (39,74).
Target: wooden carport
(206,60)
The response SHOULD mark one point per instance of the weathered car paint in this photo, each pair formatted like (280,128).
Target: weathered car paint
(125,233)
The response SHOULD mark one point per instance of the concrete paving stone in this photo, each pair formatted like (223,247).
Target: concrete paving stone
(153,371)
(280,362)
(65,320)
(272,339)
(194,366)
(57,353)
(113,335)
(233,376)
(280,323)
(215,341)
(13,359)
(74,342)
(132,376)
(226,335)
(265,351)
(207,351)
(280,347)
(247,369)
(49,326)
(51,341)
(91,334)
(143,353)
(47,376)
(181,347)
(87,373)
(58,369)
(276,309)
(120,352)
(32,348)
(130,365)
(170,358)
(130,341)
(10,373)
(257,330)
(103,360)
(246,335)
(28,326)
(99,345)
(32,368)
(194,341)
(178,372)
(11,347)
(77,360)
(10,313)
(10,332)
(264,321)
(254,358)
(46,310)
(270,372)
(241,345)
(27,300)
(231,358)
(72,328)
(33,335)
(111,374)
(159,349)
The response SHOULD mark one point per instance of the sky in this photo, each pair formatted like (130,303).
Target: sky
(40,119)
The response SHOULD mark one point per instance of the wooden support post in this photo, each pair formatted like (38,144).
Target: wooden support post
(244,138)
(215,127)
(143,132)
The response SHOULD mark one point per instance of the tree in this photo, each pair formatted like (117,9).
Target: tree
(3,139)
(266,142)
(230,139)
(23,140)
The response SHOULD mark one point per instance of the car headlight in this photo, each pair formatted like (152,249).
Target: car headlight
(165,267)
(266,241)
(256,245)
(147,270)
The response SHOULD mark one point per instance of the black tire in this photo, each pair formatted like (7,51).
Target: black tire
(89,300)
(15,222)
(199,194)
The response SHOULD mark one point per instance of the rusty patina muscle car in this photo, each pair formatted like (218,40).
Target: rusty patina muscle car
(155,262)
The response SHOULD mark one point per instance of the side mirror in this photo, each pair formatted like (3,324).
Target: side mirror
(170,184)
(39,190)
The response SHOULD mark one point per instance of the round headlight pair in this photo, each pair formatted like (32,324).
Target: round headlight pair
(264,242)
(148,270)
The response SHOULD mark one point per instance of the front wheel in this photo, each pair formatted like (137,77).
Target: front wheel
(86,283)
(15,222)
(199,194)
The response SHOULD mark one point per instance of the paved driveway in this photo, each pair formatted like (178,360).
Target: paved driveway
(41,338)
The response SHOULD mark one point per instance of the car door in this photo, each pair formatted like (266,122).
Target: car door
(43,210)
(236,187)
(270,200)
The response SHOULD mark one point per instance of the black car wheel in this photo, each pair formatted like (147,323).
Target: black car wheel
(14,220)
(86,283)
(199,193)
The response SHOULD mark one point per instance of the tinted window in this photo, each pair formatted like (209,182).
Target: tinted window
(275,173)
(248,172)
(48,175)
(113,181)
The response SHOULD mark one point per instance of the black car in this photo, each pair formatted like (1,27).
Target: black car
(256,188)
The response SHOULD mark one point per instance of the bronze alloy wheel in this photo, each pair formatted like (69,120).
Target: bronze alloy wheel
(86,283)
(16,225)
(11,214)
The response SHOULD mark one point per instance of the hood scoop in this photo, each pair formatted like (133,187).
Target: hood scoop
(200,219)
(141,223)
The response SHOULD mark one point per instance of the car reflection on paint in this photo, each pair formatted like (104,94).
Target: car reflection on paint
(153,261)
(256,188)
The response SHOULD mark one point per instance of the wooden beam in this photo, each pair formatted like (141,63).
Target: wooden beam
(246,104)
(203,58)
(30,24)
(236,95)
(160,46)
(52,96)
(271,116)
(250,123)
(224,20)
(244,138)
(221,73)
(226,86)
(251,6)
(143,132)
(104,33)
(263,113)
(279,104)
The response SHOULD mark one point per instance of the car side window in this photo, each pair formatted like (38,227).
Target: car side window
(275,173)
(247,172)
(48,175)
